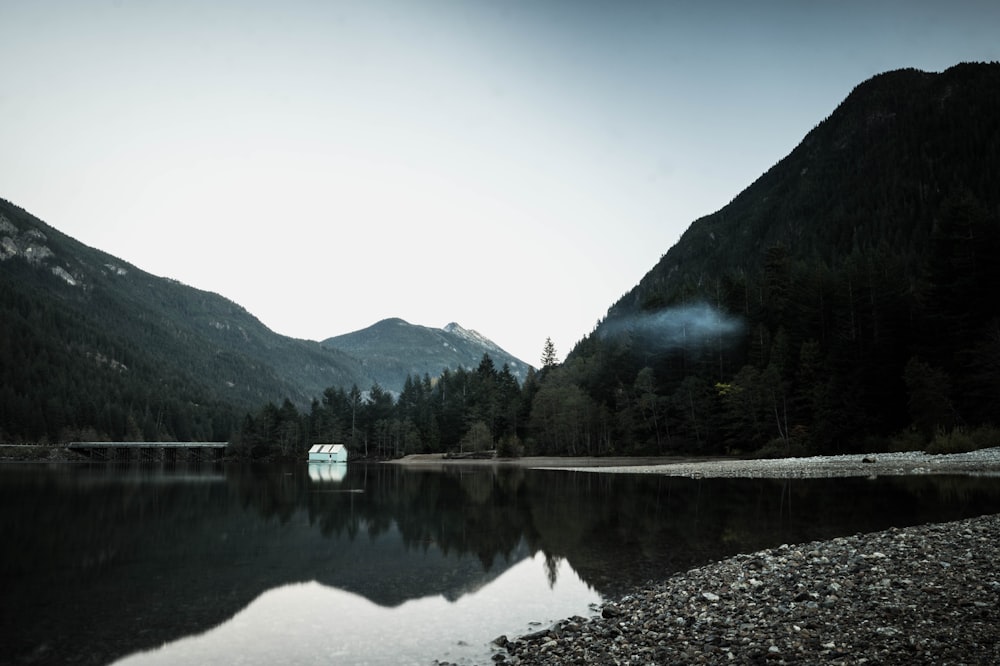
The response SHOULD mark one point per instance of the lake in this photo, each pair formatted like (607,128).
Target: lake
(380,564)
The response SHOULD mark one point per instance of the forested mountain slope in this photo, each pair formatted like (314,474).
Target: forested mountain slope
(91,346)
(878,172)
(850,291)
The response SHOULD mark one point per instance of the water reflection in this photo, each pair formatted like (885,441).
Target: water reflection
(308,623)
(327,472)
(99,562)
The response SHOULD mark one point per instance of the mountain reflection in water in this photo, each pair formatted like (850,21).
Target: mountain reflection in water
(100,562)
(308,623)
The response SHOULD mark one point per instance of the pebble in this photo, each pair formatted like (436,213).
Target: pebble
(885,598)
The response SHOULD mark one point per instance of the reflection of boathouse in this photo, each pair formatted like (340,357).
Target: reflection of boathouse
(329,453)
(327,473)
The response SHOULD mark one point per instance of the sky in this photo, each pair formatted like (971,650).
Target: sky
(515,167)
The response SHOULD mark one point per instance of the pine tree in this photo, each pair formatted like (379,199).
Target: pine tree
(549,354)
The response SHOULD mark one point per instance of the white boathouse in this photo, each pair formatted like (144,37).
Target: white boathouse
(333,453)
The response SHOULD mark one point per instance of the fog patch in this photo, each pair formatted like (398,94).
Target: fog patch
(680,327)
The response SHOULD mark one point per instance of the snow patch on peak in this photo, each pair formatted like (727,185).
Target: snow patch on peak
(474,336)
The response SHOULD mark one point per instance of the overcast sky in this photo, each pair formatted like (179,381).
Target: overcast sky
(512,166)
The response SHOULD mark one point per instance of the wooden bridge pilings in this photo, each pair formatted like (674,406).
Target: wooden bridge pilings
(151,451)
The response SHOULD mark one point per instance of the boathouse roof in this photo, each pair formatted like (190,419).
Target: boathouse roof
(326,448)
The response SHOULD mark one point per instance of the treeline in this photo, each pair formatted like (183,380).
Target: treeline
(460,411)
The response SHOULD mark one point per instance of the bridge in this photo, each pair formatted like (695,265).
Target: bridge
(150,451)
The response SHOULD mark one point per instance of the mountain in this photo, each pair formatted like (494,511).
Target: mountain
(90,340)
(393,349)
(876,172)
(848,292)
(93,347)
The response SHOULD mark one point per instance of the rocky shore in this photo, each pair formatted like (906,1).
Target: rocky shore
(927,594)
(982,461)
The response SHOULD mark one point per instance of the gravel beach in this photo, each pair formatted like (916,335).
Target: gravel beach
(925,595)
(983,461)
(928,594)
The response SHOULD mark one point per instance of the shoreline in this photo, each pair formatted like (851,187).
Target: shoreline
(923,594)
(982,461)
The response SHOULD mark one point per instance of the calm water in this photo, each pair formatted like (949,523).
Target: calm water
(379,564)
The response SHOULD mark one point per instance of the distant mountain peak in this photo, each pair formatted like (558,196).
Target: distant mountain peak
(393,349)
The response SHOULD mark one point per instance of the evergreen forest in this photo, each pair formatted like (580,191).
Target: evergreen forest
(461,411)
